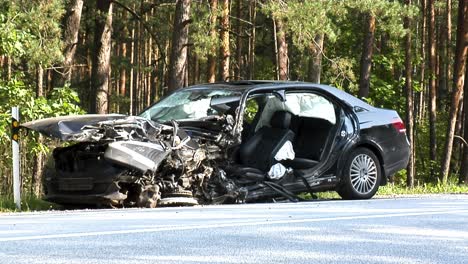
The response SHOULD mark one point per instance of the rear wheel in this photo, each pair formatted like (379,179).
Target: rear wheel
(361,175)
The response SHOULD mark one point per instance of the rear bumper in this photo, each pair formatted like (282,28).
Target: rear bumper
(401,163)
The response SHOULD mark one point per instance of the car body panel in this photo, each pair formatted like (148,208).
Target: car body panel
(68,128)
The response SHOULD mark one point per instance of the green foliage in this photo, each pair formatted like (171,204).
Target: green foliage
(306,19)
(397,189)
(389,14)
(200,30)
(31,30)
(422,148)
(423,188)
(61,101)
(250,110)
(28,203)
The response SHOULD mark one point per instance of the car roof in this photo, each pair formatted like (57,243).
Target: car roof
(252,85)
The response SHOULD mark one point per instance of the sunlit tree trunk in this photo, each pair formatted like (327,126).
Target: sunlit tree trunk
(178,61)
(123,55)
(101,58)
(366,57)
(239,42)
(225,51)
(464,162)
(282,54)
(211,73)
(458,83)
(432,87)
(448,52)
(253,18)
(71,29)
(132,73)
(421,99)
(315,60)
(421,103)
(409,100)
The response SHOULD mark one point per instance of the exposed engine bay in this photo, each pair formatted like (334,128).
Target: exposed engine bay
(152,164)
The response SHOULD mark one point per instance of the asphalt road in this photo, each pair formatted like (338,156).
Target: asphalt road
(429,229)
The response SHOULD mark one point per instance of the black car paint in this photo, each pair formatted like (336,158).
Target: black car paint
(360,125)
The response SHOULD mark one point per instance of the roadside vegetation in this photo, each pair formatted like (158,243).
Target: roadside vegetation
(398,190)
(60,57)
(28,204)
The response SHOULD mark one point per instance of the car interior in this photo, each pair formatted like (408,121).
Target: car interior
(307,120)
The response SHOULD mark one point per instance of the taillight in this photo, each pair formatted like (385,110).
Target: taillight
(399,125)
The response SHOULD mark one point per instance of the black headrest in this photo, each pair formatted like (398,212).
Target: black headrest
(281,119)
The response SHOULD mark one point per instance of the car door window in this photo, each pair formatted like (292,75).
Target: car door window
(251,110)
(311,105)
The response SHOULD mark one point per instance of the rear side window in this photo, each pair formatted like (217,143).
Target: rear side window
(311,105)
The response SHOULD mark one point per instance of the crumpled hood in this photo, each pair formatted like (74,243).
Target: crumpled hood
(76,127)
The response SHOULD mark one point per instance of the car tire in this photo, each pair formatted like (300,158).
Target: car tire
(361,175)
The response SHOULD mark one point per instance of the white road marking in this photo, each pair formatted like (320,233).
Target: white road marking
(235,224)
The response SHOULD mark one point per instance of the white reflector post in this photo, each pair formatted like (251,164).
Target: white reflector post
(16,157)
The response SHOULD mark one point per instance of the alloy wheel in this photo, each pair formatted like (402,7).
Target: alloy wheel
(363,174)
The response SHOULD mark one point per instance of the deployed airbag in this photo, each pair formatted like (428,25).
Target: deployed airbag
(285,152)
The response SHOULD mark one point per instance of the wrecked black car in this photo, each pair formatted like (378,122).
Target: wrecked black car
(249,141)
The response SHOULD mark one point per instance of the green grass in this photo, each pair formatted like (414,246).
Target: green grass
(425,188)
(30,203)
(395,189)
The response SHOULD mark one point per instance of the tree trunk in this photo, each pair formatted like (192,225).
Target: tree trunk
(71,28)
(441,48)
(282,56)
(178,60)
(458,83)
(132,73)
(448,52)
(409,100)
(253,18)
(315,60)
(211,74)
(275,40)
(138,56)
(123,56)
(421,105)
(239,61)
(463,178)
(224,37)
(101,58)
(366,58)
(432,87)
(123,70)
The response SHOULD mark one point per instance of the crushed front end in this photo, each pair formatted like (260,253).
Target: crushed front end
(131,161)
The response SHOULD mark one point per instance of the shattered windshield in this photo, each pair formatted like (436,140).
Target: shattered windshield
(187,104)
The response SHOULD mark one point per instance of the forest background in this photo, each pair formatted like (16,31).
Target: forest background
(60,57)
